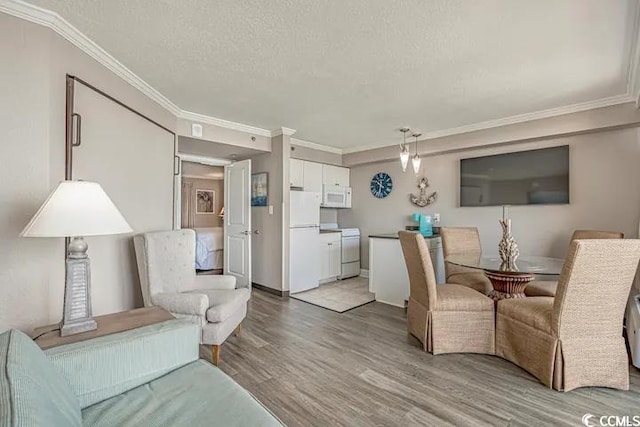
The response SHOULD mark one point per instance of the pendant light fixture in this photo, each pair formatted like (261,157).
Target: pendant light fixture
(416,159)
(404,150)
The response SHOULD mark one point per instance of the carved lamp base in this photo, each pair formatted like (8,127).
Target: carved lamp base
(77,291)
(508,285)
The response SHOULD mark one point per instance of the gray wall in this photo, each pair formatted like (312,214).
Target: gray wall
(605,174)
(269,249)
(35,60)
(312,155)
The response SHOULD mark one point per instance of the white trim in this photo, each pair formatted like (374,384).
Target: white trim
(47,18)
(208,178)
(364,273)
(210,161)
(283,131)
(315,146)
(521,118)
(227,124)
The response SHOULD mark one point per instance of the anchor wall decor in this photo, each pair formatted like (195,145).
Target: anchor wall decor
(423,199)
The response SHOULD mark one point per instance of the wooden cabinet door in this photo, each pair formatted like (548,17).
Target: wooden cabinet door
(325,257)
(335,258)
(342,177)
(312,177)
(296,173)
(329,175)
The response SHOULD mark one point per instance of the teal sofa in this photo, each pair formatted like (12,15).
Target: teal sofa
(150,376)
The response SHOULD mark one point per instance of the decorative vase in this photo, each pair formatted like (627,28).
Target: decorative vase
(508,248)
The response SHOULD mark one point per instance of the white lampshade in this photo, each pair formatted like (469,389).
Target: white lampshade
(77,208)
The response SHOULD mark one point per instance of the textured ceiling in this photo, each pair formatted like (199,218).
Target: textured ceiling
(348,73)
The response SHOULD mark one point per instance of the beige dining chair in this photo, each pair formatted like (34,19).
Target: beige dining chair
(547,288)
(445,318)
(463,241)
(575,339)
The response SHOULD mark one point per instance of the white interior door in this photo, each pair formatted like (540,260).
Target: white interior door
(237,221)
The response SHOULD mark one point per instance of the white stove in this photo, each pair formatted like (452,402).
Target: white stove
(350,249)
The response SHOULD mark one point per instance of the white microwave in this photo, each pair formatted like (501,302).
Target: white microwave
(334,196)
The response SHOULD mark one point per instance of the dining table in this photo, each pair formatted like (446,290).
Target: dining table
(509,281)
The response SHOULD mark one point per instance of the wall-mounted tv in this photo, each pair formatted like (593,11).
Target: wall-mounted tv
(535,177)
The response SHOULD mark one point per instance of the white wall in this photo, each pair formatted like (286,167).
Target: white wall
(268,248)
(605,194)
(33,66)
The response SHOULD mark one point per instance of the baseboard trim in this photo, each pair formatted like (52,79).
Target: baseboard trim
(364,272)
(277,292)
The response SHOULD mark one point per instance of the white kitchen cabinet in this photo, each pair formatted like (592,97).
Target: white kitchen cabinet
(335,175)
(312,176)
(296,173)
(330,256)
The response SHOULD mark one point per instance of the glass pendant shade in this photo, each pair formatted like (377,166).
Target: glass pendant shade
(404,158)
(416,163)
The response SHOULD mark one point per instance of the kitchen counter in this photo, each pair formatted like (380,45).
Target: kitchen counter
(388,278)
(395,236)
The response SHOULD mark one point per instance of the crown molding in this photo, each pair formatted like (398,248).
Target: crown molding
(315,146)
(282,131)
(54,21)
(227,124)
(47,18)
(521,118)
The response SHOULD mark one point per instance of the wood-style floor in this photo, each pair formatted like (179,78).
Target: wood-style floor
(312,366)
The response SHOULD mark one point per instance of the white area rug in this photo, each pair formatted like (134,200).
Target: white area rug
(339,296)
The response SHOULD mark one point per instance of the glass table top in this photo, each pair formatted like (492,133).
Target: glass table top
(524,264)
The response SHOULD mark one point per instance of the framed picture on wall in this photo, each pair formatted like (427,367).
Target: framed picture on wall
(205,202)
(259,189)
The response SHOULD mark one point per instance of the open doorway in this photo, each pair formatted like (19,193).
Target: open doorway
(202,210)
(213,197)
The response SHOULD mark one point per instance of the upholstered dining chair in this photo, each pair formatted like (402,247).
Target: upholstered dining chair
(575,339)
(463,240)
(547,288)
(166,265)
(445,318)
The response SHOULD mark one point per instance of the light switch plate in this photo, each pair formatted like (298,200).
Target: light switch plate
(436,218)
(196,130)
(270,209)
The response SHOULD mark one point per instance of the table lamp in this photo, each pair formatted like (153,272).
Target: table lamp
(76,209)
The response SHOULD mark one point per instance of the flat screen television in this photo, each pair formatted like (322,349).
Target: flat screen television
(535,177)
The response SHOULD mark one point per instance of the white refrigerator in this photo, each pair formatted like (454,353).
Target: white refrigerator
(304,240)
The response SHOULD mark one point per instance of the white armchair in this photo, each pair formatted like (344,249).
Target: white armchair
(166,265)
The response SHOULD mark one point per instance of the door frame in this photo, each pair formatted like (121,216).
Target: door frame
(177,184)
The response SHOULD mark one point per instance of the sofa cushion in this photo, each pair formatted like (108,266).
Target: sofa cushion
(106,366)
(223,303)
(32,391)
(198,394)
(533,311)
(461,298)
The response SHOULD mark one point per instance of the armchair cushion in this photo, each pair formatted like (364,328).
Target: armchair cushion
(461,298)
(533,311)
(224,303)
(189,303)
(208,281)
